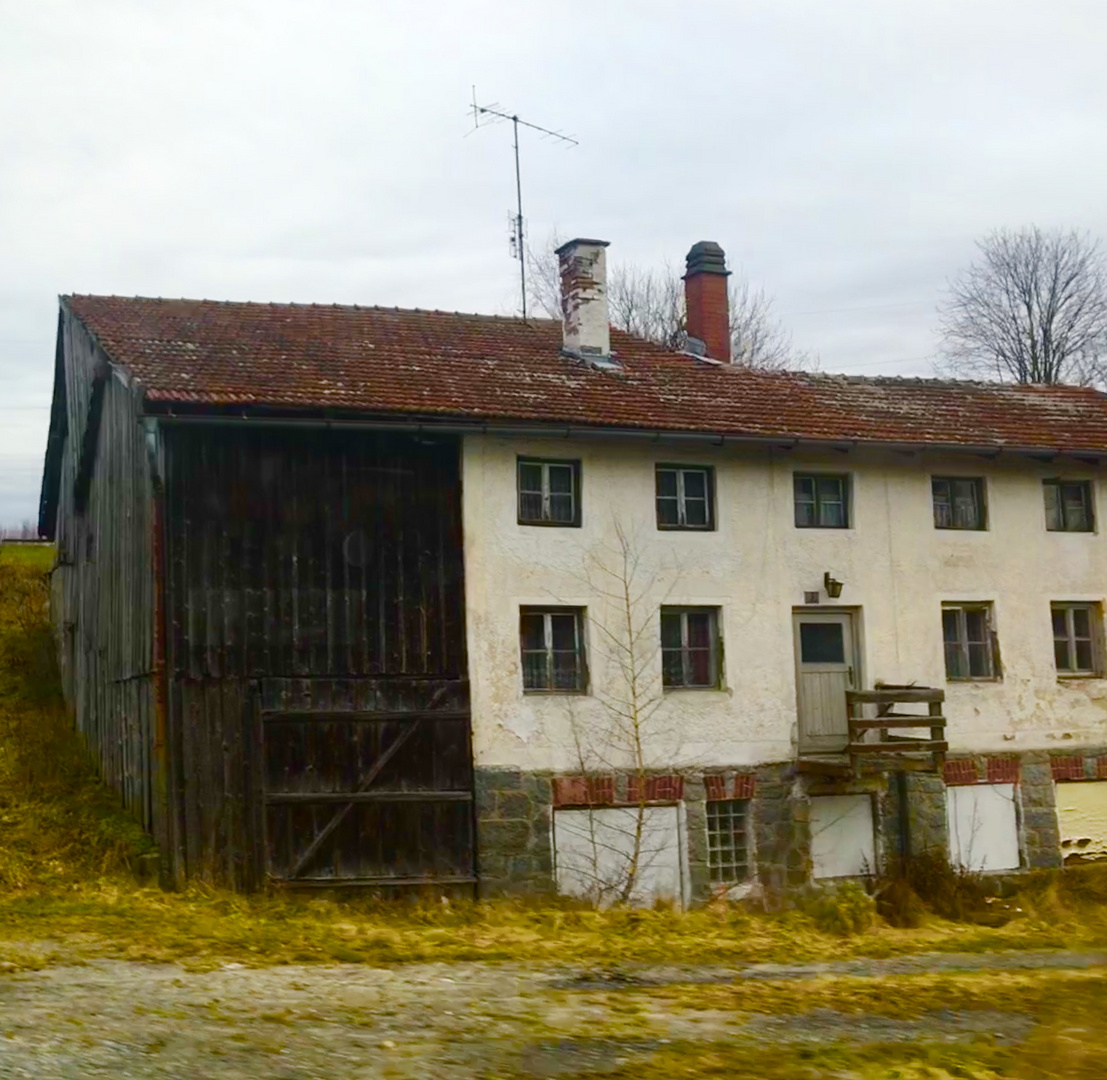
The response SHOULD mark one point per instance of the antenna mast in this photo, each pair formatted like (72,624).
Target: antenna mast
(492,114)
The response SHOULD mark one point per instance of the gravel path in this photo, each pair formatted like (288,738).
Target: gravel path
(129,1021)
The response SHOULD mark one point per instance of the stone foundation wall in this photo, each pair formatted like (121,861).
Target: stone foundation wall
(514,845)
(514,816)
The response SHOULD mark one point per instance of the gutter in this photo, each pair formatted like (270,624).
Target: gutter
(576,431)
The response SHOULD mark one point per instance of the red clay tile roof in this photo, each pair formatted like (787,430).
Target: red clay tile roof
(476,367)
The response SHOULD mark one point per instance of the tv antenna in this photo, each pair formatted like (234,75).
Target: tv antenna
(492,114)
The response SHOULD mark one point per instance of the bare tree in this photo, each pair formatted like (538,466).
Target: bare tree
(649,303)
(27,531)
(633,735)
(1032,309)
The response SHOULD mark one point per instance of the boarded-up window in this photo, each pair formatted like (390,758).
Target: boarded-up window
(842,843)
(1082,816)
(595,853)
(983,827)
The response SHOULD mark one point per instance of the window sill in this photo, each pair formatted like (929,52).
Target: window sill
(1075,676)
(986,680)
(827,528)
(686,528)
(549,524)
(554,693)
(961,528)
(693,689)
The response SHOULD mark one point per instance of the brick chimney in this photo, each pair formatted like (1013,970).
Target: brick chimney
(705,296)
(583,266)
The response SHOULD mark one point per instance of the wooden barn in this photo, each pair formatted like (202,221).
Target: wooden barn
(261,611)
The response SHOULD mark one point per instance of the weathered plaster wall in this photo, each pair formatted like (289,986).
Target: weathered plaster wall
(1082,813)
(897,569)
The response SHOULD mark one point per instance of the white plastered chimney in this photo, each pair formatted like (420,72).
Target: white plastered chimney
(583,267)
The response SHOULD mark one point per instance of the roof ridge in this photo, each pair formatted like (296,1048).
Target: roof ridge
(302,304)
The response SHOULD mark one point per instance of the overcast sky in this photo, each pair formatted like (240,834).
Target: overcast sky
(846,155)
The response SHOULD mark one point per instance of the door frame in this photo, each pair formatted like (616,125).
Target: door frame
(856,642)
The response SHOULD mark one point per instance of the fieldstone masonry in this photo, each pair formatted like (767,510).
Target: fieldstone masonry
(514,853)
(514,834)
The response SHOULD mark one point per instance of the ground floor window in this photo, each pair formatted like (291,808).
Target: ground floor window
(727,841)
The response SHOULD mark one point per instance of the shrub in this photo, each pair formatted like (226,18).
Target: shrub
(841,909)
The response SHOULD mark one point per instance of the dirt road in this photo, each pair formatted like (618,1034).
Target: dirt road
(129,1020)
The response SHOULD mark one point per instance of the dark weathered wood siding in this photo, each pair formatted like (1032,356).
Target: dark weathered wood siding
(103,585)
(325,569)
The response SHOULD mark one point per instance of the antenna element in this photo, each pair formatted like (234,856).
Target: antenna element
(491,114)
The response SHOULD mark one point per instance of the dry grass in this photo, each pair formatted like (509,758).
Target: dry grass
(67,894)
(66,851)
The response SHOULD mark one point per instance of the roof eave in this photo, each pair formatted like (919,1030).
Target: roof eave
(177,413)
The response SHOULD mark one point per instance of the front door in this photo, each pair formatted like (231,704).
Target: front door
(825,670)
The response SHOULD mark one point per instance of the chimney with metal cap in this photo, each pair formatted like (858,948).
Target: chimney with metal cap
(583,266)
(705,297)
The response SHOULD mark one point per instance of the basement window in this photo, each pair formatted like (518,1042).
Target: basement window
(970,642)
(1068,505)
(685,497)
(821,502)
(727,843)
(958,502)
(549,492)
(552,646)
(1076,638)
(690,648)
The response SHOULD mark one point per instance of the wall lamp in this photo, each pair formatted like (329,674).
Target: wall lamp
(832,586)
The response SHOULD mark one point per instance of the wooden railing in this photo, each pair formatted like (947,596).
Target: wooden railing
(891,748)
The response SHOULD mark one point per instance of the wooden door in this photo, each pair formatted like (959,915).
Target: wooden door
(825,669)
(377,795)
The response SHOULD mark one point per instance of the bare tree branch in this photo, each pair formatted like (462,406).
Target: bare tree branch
(649,303)
(1032,309)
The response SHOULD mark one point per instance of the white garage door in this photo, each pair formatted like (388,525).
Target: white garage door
(842,843)
(983,827)
(595,854)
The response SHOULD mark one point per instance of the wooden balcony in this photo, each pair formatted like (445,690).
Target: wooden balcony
(888,732)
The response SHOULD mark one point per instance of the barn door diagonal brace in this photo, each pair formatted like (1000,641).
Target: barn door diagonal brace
(366,781)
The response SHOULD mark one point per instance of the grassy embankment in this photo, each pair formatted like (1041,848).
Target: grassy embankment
(67,895)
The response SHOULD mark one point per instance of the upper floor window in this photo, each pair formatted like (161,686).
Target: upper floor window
(685,497)
(958,502)
(549,492)
(969,641)
(1068,505)
(1076,638)
(551,641)
(822,502)
(690,647)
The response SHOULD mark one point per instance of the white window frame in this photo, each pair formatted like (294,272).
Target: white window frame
(728,864)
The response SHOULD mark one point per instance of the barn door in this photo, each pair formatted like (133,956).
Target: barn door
(826,665)
(377,796)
